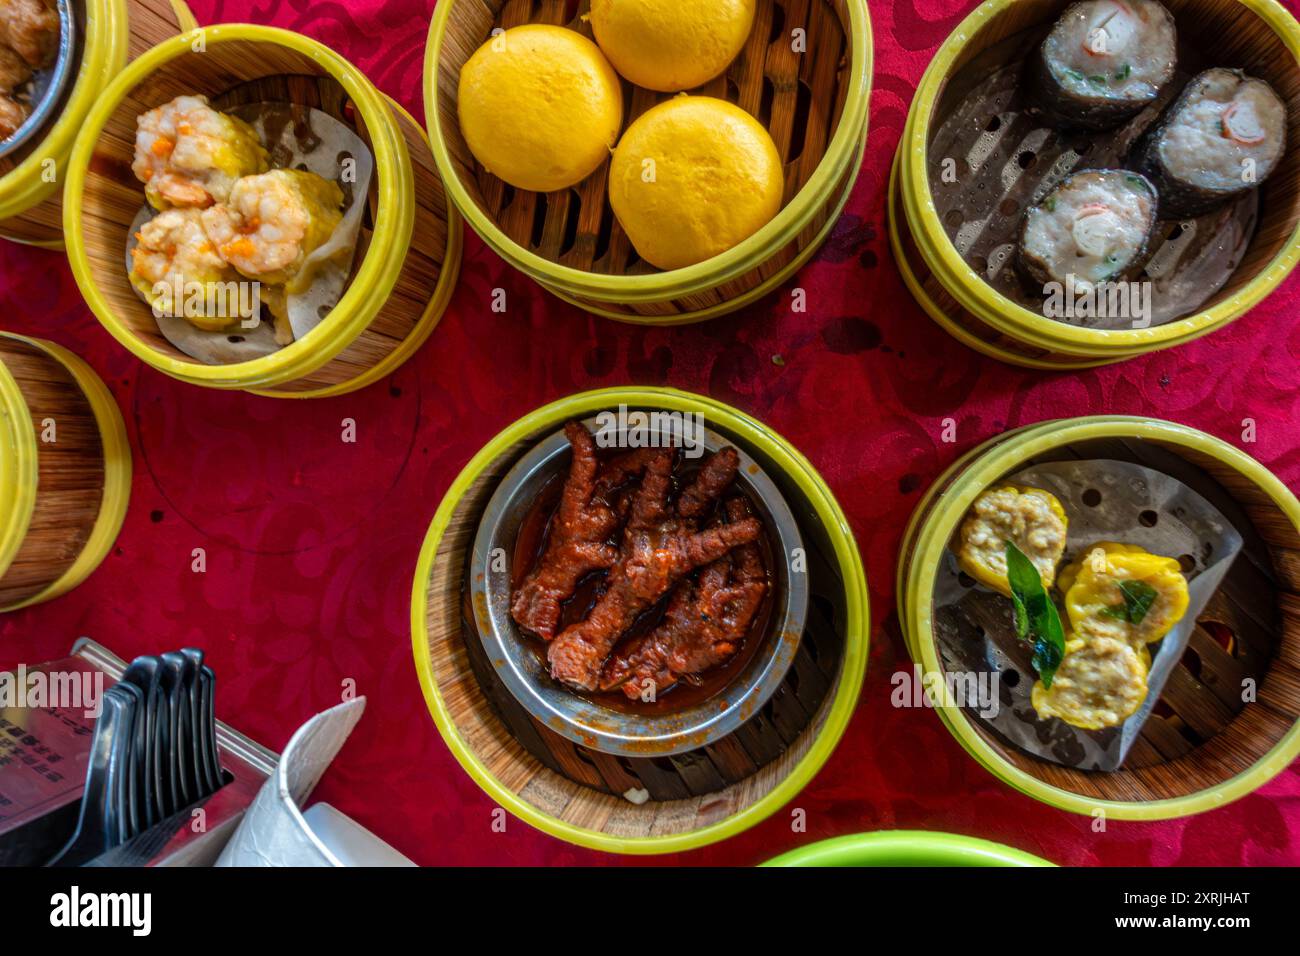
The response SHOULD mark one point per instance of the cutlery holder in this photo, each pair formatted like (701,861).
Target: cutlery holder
(44,754)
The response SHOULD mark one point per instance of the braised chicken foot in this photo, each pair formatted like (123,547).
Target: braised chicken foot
(660,547)
(576,545)
(703,626)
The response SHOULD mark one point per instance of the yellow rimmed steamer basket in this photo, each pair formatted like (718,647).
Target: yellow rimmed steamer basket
(814,102)
(110,33)
(65,471)
(577,794)
(407,261)
(1258,36)
(1204,745)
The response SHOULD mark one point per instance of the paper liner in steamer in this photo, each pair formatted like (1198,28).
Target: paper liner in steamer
(296,137)
(973,625)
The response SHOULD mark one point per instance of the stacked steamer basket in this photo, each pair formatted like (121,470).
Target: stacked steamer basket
(408,257)
(1008,156)
(588,797)
(814,103)
(1203,745)
(108,34)
(65,471)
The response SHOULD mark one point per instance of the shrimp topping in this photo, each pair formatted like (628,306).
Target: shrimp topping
(172,256)
(188,155)
(273,222)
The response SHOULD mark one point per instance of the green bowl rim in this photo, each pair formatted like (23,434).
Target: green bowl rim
(906,848)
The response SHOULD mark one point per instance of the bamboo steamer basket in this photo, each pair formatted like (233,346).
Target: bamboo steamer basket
(114,31)
(906,848)
(408,257)
(814,104)
(1202,747)
(65,471)
(1256,35)
(574,793)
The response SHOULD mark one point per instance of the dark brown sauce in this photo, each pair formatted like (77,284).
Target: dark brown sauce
(530,545)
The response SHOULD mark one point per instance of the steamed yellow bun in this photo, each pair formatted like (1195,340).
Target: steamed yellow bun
(540,107)
(671,45)
(693,177)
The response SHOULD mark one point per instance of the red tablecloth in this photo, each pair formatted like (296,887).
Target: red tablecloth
(311,542)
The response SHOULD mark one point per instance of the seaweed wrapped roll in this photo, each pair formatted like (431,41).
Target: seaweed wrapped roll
(1223,136)
(1092,228)
(1104,62)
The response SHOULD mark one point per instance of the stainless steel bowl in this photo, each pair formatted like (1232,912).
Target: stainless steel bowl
(584,721)
(47,86)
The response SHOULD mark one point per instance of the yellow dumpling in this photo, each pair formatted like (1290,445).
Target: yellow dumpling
(179,273)
(189,155)
(1100,683)
(1101,587)
(1031,518)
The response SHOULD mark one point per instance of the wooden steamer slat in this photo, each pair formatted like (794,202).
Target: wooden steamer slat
(70,471)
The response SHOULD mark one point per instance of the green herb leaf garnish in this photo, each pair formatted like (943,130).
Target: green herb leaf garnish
(1022,616)
(1138,598)
(1037,620)
(1123,72)
(1097,79)
(1047,658)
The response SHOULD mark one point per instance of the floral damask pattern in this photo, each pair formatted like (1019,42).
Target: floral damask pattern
(311,541)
